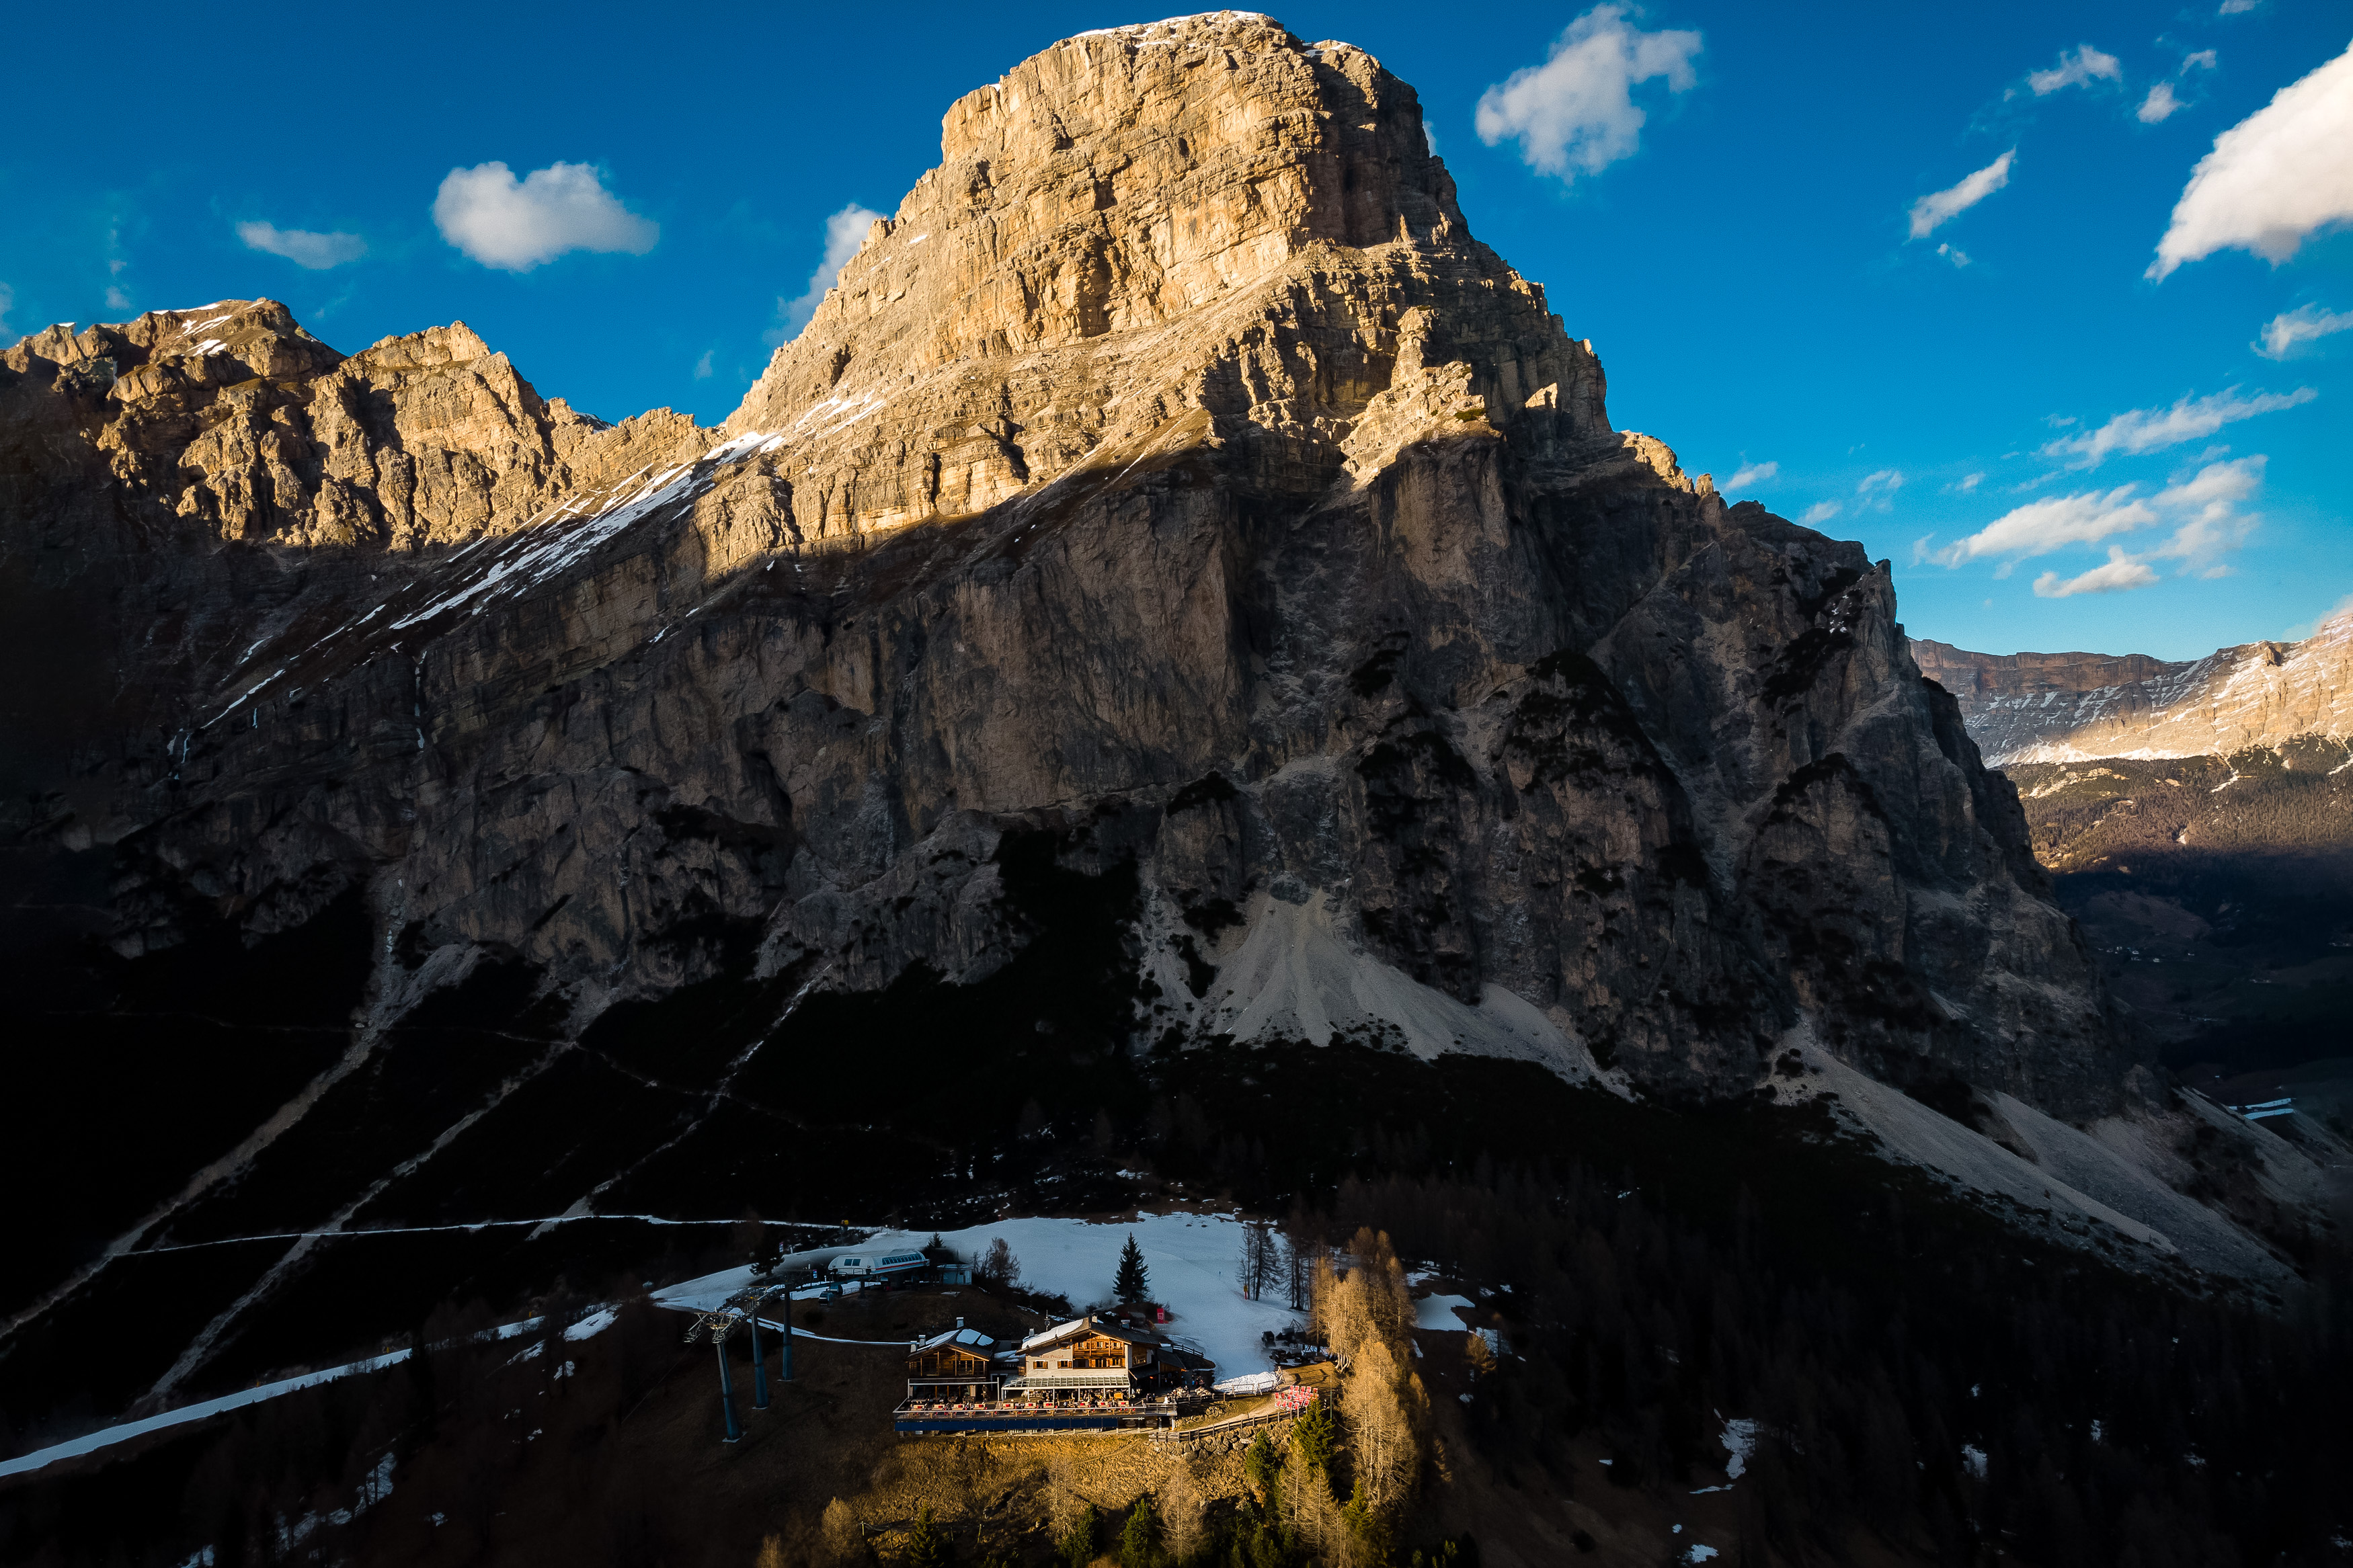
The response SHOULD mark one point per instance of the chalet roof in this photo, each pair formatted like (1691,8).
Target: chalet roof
(972,1342)
(1088,1327)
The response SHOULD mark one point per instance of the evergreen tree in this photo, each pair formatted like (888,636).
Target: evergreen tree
(1369,1532)
(1134,1279)
(1260,1463)
(1139,1543)
(1077,1543)
(1313,1436)
(927,1544)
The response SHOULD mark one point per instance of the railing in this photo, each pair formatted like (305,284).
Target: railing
(1015,1410)
(1077,1377)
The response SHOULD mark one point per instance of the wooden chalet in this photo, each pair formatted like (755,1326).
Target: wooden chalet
(1091,1374)
(958,1366)
(1094,1358)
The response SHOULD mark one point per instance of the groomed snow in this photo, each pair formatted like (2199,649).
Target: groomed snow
(1191,1257)
(90,1442)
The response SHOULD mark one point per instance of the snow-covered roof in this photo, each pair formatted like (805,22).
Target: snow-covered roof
(1053,1335)
(967,1338)
(1087,1326)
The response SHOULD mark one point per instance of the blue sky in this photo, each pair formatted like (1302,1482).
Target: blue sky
(2058,449)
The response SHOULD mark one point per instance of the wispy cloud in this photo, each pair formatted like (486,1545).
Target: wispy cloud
(117,298)
(2052,524)
(304,248)
(1820,511)
(2077,68)
(702,366)
(2162,100)
(2120,575)
(516,224)
(1969,482)
(7,302)
(2213,523)
(1751,474)
(1942,206)
(2159,103)
(1575,114)
(2237,7)
(2274,179)
(2207,511)
(1877,490)
(2285,333)
(2139,430)
(1954,253)
(845,231)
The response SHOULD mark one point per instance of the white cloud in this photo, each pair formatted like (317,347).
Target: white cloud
(1942,205)
(515,225)
(1575,113)
(2159,103)
(312,251)
(2284,332)
(2075,69)
(2040,527)
(1878,491)
(1970,482)
(2205,510)
(1820,511)
(2139,430)
(2278,176)
(2237,7)
(702,366)
(845,231)
(116,298)
(2202,61)
(1749,474)
(2121,575)
(7,300)
(1958,257)
(2215,523)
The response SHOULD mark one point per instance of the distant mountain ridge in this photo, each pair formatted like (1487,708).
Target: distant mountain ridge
(2080,707)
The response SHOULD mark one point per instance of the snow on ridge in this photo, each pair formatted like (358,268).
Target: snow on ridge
(541,558)
(1140,28)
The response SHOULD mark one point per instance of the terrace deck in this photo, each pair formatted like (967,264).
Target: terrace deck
(915,1418)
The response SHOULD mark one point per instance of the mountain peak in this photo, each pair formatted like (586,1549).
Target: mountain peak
(1200,217)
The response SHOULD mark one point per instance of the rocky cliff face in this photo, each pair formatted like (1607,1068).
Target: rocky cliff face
(1172,493)
(2080,707)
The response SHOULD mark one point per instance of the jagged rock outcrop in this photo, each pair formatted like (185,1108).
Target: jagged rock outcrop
(2080,707)
(1172,482)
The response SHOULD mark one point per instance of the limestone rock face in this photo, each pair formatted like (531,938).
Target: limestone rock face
(2079,707)
(1174,488)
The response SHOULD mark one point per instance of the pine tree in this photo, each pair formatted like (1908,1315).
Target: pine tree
(1261,1464)
(1313,1436)
(1078,1542)
(1134,1279)
(927,1545)
(1139,1543)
